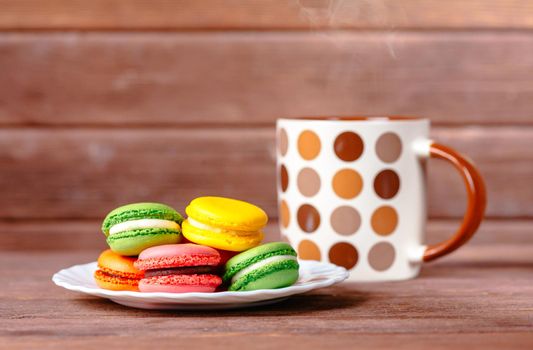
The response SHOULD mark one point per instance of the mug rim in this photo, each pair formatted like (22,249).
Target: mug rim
(360,118)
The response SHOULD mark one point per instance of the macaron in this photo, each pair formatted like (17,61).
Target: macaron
(134,227)
(225,255)
(116,272)
(224,223)
(179,268)
(268,266)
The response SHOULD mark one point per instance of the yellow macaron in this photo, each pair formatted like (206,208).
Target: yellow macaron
(224,223)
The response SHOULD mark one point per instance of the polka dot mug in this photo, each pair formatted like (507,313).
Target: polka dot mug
(352,192)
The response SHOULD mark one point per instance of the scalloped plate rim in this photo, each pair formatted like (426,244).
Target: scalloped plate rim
(330,273)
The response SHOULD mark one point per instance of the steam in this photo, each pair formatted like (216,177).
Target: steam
(318,12)
(339,21)
(336,14)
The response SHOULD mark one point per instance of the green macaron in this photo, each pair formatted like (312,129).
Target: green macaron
(268,266)
(134,227)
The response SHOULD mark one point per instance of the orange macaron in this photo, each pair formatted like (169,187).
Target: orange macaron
(117,272)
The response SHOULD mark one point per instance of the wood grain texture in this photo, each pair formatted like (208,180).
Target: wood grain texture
(158,79)
(84,173)
(505,160)
(295,340)
(263,15)
(70,235)
(479,298)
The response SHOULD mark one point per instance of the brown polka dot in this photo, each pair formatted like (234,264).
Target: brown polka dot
(308,145)
(389,147)
(384,220)
(308,218)
(308,182)
(307,250)
(345,220)
(284,178)
(283,142)
(348,146)
(343,254)
(381,256)
(284,213)
(387,184)
(347,183)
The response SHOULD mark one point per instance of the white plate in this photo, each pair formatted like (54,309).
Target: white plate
(313,275)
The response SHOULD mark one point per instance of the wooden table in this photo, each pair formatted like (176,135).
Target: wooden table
(480,297)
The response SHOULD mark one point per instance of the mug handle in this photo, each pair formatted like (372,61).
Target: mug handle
(477,201)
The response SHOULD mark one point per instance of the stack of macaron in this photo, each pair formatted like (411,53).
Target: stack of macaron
(220,249)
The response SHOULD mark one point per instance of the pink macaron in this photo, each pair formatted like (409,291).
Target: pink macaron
(179,268)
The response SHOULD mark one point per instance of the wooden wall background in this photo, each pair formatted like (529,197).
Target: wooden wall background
(104,102)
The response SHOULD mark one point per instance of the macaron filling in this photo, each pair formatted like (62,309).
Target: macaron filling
(142,224)
(117,278)
(206,227)
(186,270)
(119,274)
(261,264)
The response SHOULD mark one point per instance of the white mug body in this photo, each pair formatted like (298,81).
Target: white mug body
(351,191)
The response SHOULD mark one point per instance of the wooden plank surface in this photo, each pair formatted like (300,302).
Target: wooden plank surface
(159,79)
(505,160)
(480,297)
(83,173)
(70,235)
(64,173)
(263,15)
(372,341)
